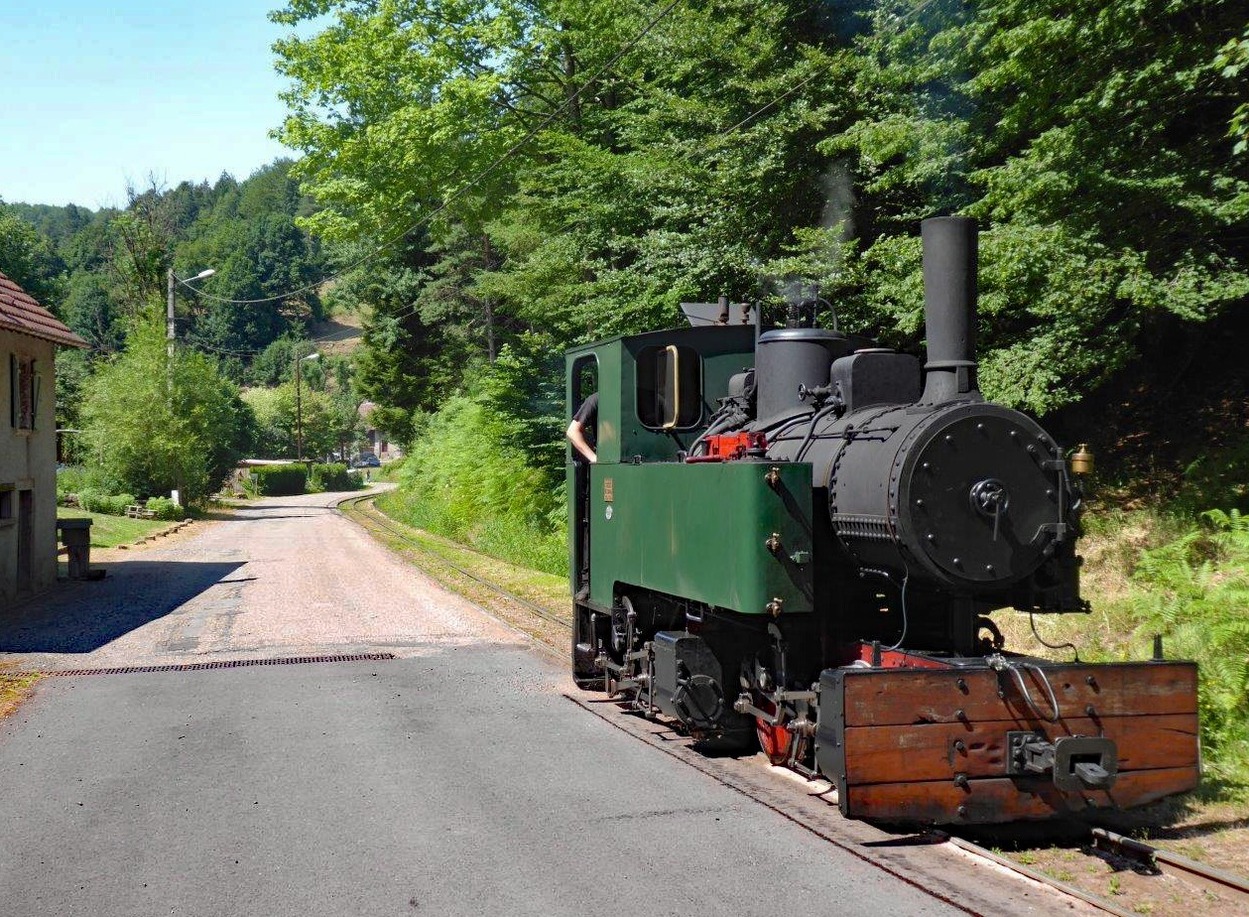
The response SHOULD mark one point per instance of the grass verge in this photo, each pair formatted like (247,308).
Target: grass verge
(111,531)
(15,687)
(507,535)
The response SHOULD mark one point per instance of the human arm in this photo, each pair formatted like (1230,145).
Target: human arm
(576,435)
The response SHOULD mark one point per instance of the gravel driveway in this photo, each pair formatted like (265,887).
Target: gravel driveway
(286,576)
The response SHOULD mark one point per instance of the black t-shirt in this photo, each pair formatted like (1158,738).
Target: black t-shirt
(587,418)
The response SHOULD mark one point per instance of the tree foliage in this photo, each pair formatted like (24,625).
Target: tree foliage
(1090,141)
(249,237)
(154,424)
(28,259)
(736,143)
(327,423)
(97,270)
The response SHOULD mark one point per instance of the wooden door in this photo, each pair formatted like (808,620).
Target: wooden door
(25,539)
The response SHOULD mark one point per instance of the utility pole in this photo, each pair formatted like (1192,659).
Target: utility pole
(299,405)
(170,330)
(171,333)
(299,411)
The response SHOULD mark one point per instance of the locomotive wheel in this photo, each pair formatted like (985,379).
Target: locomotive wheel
(774,740)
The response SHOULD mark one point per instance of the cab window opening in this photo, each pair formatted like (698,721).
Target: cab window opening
(584,381)
(669,387)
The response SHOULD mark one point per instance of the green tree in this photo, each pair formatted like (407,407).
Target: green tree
(73,373)
(91,310)
(1233,58)
(328,423)
(29,260)
(156,425)
(250,238)
(636,191)
(1090,141)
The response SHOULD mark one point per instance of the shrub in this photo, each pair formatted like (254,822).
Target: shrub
(157,424)
(93,501)
(334,476)
(468,482)
(165,508)
(279,480)
(74,479)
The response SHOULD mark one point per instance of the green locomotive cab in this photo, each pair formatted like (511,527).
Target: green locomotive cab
(649,526)
(654,520)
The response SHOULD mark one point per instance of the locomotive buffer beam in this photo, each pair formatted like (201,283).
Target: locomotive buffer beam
(1074,762)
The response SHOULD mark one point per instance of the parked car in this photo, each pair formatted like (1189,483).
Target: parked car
(366,460)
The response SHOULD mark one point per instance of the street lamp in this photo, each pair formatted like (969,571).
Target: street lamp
(170,331)
(170,280)
(299,405)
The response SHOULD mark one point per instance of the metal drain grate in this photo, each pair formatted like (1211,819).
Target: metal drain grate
(225,664)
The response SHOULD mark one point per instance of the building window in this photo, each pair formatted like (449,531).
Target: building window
(6,504)
(23,392)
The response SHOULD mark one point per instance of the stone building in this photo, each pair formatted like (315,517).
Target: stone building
(29,336)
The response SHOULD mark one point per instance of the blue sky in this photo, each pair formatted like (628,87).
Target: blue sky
(94,93)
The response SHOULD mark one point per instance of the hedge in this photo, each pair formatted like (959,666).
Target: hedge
(93,501)
(165,508)
(335,476)
(279,480)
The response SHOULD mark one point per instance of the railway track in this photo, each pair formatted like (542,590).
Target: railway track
(1199,885)
(1221,892)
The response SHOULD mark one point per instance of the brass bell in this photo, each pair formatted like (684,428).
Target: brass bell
(1082,460)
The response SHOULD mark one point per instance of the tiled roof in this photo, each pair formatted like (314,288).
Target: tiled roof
(19,312)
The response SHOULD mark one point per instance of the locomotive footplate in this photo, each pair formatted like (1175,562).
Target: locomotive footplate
(1008,739)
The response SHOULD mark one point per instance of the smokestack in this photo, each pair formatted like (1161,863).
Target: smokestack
(950,257)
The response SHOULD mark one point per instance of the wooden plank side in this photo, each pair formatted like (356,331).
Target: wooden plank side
(878,697)
(1005,799)
(891,754)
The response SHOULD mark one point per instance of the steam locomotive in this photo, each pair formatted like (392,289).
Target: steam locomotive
(797,537)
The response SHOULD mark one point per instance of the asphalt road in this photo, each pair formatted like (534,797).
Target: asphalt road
(456,779)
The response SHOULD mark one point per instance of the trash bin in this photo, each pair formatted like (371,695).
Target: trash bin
(76,537)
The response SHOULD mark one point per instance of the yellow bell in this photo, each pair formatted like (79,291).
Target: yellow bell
(1082,460)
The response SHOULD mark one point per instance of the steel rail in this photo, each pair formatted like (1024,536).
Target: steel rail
(1097,901)
(1153,858)
(1163,861)
(374,521)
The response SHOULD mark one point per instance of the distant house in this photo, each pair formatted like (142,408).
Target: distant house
(29,336)
(378,444)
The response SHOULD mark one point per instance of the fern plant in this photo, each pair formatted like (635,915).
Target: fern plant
(1198,598)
